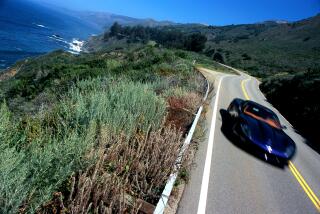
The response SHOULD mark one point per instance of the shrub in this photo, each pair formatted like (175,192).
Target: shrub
(124,173)
(218,57)
(121,105)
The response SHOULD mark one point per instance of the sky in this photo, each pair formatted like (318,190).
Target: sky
(213,12)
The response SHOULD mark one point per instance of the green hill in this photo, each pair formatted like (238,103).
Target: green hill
(269,48)
(264,48)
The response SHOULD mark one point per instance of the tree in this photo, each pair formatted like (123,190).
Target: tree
(218,57)
(106,36)
(246,56)
(195,42)
(115,29)
(166,37)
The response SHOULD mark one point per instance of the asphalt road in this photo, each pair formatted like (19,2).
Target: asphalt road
(228,178)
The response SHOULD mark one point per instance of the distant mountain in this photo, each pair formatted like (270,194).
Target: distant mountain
(104,20)
(273,22)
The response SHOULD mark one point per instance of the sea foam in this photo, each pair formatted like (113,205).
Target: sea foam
(75,46)
(40,25)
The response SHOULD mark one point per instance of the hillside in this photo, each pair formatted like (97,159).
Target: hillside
(264,48)
(104,20)
(269,48)
(286,56)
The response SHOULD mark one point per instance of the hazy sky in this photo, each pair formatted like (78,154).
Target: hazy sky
(216,12)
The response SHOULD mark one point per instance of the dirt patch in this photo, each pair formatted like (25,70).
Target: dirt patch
(8,74)
(174,199)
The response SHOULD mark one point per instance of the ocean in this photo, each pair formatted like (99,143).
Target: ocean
(28,29)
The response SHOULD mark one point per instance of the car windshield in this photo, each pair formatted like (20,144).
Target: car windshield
(262,115)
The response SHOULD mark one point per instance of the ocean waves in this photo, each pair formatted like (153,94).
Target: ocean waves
(74,46)
(29,29)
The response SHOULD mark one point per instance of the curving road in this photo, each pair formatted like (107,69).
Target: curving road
(231,179)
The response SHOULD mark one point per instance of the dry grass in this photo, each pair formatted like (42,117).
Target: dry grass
(188,101)
(182,110)
(125,171)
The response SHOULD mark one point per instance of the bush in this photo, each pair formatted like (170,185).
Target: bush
(121,105)
(30,174)
(218,57)
(195,42)
(167,37)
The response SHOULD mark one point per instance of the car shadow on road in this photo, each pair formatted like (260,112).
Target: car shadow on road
(251,149)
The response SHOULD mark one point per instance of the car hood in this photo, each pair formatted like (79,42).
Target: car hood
(263,134)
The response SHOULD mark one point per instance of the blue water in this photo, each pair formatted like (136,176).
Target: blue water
(28,29)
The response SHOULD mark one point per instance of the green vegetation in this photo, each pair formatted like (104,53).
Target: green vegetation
(267,48)
(113,120)
(263,49)
(139,34)
(38,80)
(41,152)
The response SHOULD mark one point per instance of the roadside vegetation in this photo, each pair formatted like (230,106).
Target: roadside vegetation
(96,132)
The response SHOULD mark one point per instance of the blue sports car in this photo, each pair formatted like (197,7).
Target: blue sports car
(260,126)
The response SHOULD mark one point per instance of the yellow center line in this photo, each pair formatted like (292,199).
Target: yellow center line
(244,89)
(305,186)
(314,199)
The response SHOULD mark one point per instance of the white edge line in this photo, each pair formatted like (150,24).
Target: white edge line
(207,166)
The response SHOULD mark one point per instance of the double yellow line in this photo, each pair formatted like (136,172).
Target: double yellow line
(315,200)
(305,186)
